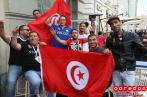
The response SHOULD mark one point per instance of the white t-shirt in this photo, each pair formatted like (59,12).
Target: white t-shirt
(85,45)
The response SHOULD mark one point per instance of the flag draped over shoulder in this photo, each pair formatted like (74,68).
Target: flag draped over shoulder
(75,74)
(59,7)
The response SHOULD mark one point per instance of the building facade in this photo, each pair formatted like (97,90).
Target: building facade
(127,10)
(108,8)
(81,9)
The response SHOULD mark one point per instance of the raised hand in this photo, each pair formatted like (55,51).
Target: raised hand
(3,34)
(106,51)
(15,31)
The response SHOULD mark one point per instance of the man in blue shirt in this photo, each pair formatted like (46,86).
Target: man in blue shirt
(62,31)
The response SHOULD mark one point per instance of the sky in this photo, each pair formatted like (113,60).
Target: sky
(142,7)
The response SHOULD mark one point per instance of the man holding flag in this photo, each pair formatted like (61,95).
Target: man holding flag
(59,11)
(59,8)
(61,30)
(94,47)
(69,72)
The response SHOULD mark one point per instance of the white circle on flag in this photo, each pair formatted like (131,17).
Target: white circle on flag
(55,18)
(77,74)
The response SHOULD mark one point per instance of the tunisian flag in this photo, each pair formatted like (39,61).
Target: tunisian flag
(59,7)
(75,74)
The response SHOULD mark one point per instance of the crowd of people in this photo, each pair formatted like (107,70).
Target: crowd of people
(24,53)
(143,36)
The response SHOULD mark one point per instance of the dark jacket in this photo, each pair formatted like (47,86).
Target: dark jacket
(123,49)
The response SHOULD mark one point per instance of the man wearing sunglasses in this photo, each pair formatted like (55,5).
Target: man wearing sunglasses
(15,59)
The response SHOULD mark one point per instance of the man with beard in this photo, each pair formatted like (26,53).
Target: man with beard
(73,43)
(94,47)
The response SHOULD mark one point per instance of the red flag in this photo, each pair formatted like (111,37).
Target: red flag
(59,7)
(75,74)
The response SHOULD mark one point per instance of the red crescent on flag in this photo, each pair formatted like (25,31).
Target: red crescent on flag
(72,74)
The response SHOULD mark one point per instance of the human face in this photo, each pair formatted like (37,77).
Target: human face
(93,43)
(74,34)
(25,31)
(82,27)
(62,21)
(33,38)
(36,14)
(116,25)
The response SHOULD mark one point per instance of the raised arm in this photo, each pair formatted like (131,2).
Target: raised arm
(48,22)
(14,40)
(3,35)
(64,42)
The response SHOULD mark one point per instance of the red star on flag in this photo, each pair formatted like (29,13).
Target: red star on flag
(80,75)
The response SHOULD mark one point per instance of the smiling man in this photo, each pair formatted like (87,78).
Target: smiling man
(93,45)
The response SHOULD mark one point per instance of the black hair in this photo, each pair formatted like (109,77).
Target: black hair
(21,28)
(100,33)
(62,16)
(36,10)
(87,24)
(73,30)
(82,23)
(91,32)
(91,35)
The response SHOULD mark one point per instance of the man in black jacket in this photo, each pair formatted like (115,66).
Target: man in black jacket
(123,45)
